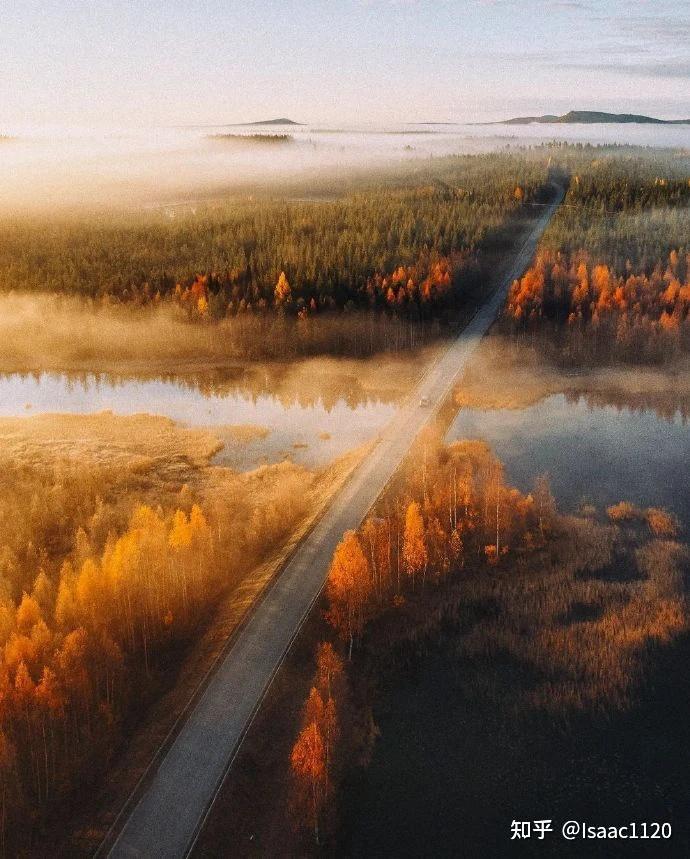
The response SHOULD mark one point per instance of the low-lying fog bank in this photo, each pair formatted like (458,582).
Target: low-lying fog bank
(61,356)
(56,167)
(515,375)
(57,334)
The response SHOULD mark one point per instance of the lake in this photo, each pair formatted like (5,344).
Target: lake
(307,431)
(596,453)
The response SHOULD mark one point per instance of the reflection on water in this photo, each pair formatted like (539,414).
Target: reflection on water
(601,453)
(311,431)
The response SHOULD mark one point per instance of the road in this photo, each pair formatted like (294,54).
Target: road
(173,804)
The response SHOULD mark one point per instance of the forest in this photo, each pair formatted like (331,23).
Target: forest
(114,555)
(611,281)
(390,245)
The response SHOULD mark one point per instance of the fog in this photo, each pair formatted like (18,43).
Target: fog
(57,167)
(65,336)
(60,356)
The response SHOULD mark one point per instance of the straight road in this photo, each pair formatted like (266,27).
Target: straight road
(174,802)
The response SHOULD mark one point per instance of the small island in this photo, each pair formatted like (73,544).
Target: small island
(250,139)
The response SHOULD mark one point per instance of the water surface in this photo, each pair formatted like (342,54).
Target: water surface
(596,453)
(310,432)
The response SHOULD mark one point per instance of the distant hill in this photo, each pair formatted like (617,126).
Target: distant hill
(281,121)
(590,116)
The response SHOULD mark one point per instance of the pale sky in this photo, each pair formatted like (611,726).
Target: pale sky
(159,62)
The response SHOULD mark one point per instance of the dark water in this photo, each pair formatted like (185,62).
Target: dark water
(598,454)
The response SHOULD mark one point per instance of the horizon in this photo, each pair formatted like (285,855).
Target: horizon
(317,125)
(143,65)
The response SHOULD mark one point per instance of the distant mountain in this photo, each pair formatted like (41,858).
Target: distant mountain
(591,116)
(281,121)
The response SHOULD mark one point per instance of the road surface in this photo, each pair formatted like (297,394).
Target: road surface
(175,800)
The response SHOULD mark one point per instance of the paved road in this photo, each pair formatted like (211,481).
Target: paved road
(169,814)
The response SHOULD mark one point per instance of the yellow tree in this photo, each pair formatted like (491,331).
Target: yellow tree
(376,536)
(348,588)
(28,613)
(415,557)
(66,603)
(49,700)
(324,714)
(90,593)
(282,292)
(44,593)
(23,697)
(313,708)
(329,670)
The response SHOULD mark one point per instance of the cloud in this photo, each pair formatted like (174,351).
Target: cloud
(575,5)
(667,69)
(660,29)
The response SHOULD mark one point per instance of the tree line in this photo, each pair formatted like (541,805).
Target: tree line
(636,317)
(611,280)
(449,512)
(227,258)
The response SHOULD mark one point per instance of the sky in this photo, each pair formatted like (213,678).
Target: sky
(93,63)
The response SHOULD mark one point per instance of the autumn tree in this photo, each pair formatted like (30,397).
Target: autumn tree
(310,773)
(348,588)
(329,670)
(415,556)
(282,292)
(545,503)
(376,539)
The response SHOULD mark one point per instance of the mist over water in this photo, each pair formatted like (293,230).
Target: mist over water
(310,433)
(50,167)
